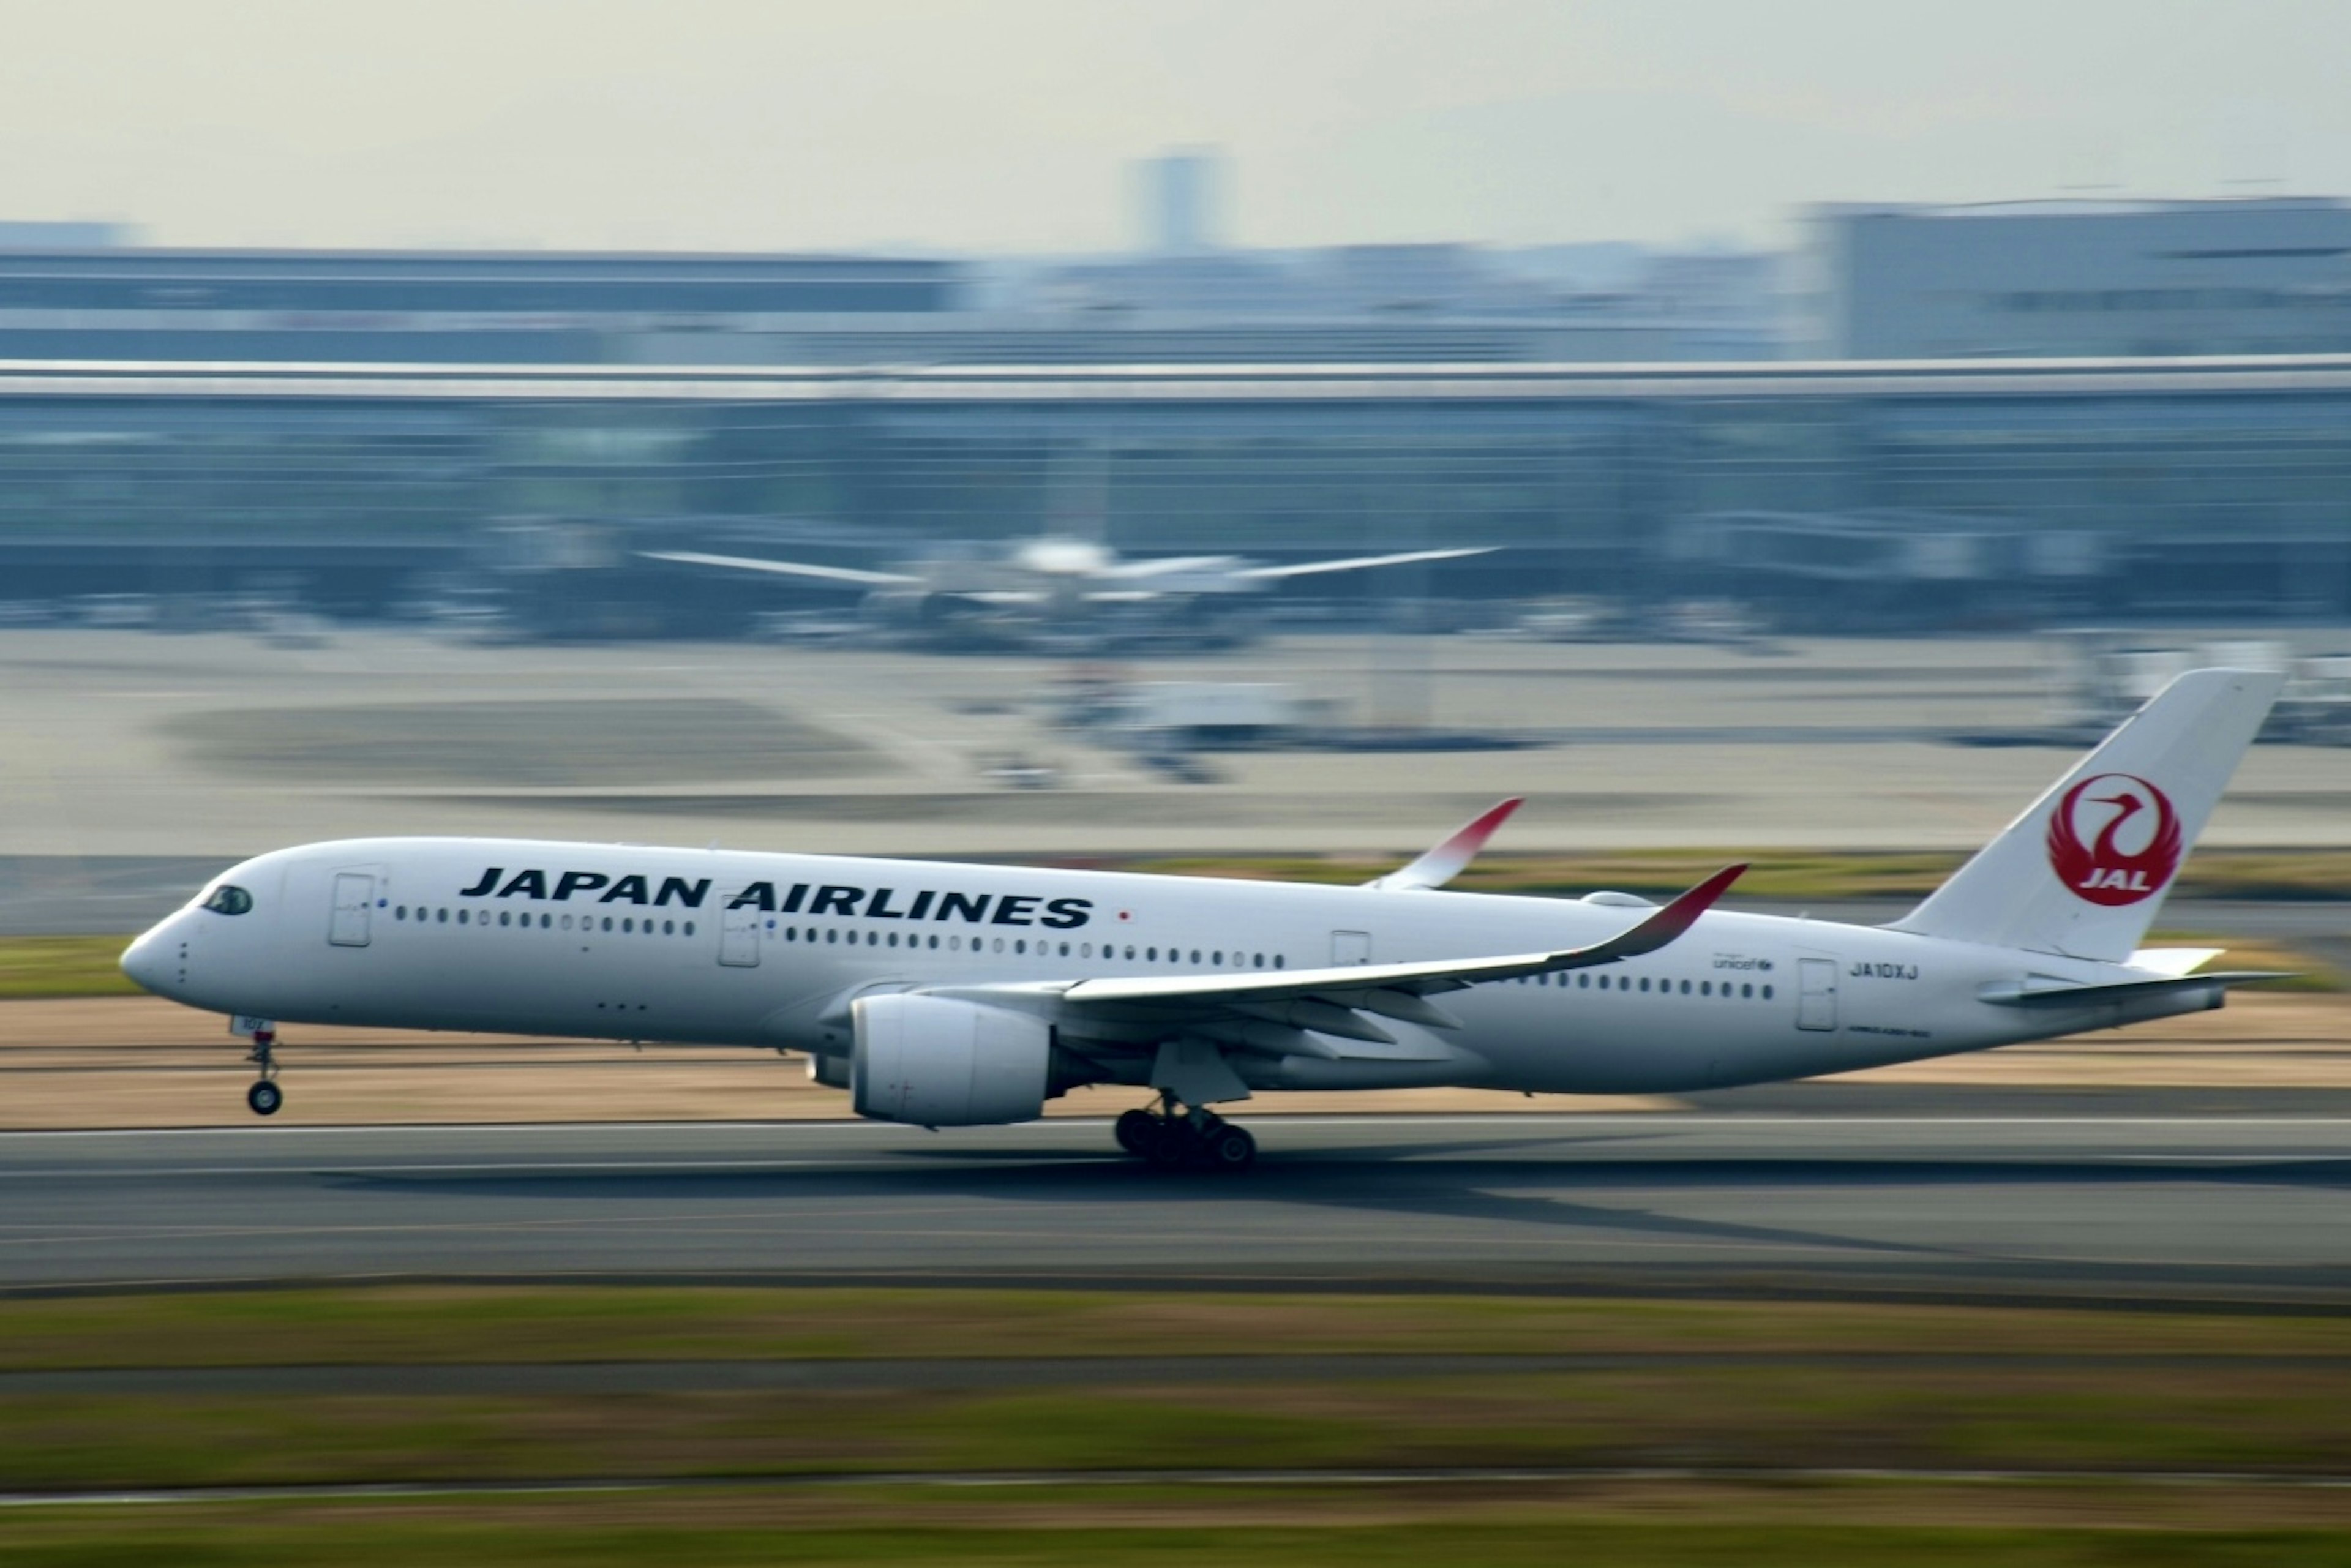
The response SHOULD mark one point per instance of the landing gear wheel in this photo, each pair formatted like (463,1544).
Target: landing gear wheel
(264,1097)
(1230,1148)
(1172,1145)
(1137,1131)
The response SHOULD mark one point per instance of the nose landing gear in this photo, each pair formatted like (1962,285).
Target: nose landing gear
(1171,1138)
(264,1097)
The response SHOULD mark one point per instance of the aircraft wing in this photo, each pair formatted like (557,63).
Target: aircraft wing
(1303,1012)
(1659,928)
(1451,857)
(1169,565)
(1353,564)
(847,576)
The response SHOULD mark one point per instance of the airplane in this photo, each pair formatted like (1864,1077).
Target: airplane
(955,994)
(1057,584)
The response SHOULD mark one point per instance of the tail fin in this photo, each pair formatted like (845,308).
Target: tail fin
(2083,870)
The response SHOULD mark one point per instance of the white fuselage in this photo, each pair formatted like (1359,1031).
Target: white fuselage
(768,950)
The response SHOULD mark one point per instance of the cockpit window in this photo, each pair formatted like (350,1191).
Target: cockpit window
(227,900)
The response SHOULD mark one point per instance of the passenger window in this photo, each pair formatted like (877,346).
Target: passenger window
(461,916)
(400,913)
(1278,960)
(831,933)
(934,941)
(1151,953)
(567,923)
(607,922)
(1747,992)
(1685,988)
(1020,945)
(689,928)
(1195,955)
(1000,943)
(1767,993)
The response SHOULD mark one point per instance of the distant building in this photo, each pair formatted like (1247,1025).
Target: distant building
(1180,196)
(2093,279)
(424,306)
(22,235)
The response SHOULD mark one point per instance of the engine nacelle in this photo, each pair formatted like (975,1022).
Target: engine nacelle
(941,1063)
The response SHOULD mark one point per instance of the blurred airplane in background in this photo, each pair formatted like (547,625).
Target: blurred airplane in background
(1058,588)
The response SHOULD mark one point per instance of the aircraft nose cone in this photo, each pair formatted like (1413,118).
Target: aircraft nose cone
(143,962)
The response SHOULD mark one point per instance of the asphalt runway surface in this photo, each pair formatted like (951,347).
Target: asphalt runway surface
(2155,1205)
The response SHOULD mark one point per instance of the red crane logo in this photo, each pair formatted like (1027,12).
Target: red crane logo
(2101,870)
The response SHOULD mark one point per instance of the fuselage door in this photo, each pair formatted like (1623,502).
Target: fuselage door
(1816,993)
(354,897)
(1350,947)
(738,937)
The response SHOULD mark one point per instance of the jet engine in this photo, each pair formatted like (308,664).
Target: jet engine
(941,1063)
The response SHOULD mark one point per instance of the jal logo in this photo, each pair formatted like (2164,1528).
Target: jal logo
(2114,839)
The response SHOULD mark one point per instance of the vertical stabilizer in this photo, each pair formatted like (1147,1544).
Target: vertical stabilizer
(2083,870)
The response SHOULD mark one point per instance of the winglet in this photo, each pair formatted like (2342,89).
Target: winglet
(1446,860)
(1668,924)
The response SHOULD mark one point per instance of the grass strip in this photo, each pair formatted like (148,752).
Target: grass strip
(459,1324)
(1808,1397)
(32,967)
(2049,1418)
(1180,1527)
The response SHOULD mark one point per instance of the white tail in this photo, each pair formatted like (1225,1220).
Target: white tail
(2083,870)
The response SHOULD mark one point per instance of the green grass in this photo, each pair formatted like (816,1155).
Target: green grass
(1181,1531)
(454,1324)
(1809,1391)
(1818,1383)
(1185,1531)
(63,967)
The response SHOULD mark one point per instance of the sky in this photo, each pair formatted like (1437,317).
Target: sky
(1008,126)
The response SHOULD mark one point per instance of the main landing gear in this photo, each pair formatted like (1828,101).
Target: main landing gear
(265,1096)
(1175,1139)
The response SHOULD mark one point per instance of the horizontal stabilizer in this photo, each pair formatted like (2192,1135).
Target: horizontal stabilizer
(2124,990)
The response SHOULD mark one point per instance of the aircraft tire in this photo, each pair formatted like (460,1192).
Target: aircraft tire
(1173,1144)
(263,1098)
(1134,1131)
(1231,1148)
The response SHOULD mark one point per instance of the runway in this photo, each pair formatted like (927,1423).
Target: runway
(2156,1205)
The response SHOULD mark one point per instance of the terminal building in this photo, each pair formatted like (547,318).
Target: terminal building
(1855,495)
(367,432)
(2082,279)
